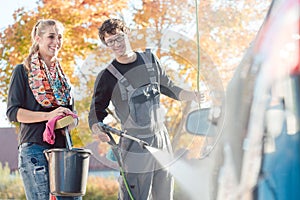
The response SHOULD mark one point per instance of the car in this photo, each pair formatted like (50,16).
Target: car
(256,130)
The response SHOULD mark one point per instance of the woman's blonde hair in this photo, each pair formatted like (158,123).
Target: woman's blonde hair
(39,29)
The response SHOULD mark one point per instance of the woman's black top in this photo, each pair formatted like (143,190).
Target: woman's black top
(21,96)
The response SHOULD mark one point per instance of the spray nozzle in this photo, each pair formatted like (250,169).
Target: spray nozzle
(143,144)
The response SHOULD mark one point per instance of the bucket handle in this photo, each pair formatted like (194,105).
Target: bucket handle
(68,139)
(46,155)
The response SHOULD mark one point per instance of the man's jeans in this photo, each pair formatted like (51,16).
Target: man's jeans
(33,168)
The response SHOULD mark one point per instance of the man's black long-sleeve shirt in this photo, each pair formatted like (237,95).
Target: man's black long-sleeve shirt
(106,88)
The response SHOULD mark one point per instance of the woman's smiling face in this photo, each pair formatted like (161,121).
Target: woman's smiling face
(50,42)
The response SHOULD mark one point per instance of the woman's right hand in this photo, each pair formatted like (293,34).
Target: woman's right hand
(29,116)
(101,135)
(58,111)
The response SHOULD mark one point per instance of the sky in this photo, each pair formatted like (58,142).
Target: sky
(7,9)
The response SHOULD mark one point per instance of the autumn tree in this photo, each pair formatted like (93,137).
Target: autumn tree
(169,27)
(81,20)
(225,30)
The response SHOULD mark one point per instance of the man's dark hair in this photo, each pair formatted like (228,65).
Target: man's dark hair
(110,26)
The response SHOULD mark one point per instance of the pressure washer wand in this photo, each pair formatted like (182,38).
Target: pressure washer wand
(141,142)
(108,129)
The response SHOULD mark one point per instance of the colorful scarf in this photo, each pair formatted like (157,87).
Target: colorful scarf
(49,90)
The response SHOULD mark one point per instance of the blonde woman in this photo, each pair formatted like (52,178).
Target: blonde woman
(38,92)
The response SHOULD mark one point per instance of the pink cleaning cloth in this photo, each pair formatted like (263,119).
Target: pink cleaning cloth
(49,134)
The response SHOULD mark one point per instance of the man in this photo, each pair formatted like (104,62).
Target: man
(133,82)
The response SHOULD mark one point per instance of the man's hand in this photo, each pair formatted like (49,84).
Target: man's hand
(199,97)
(101,135)
(196,96)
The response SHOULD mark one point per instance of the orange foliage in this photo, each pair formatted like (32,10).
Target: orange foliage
(226,28)
(81,20)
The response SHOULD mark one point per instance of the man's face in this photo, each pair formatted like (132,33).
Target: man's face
(117,42)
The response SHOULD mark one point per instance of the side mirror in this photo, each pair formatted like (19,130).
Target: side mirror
(200,122)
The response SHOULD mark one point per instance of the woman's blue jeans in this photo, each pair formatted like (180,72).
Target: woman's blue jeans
(33,168)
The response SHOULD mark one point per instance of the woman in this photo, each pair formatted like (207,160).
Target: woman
(38,92)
